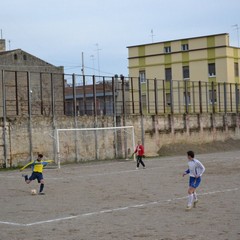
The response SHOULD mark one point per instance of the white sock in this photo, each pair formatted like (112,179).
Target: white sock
(190,199)
(195,196)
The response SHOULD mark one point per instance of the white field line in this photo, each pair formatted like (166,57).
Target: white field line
(111,210)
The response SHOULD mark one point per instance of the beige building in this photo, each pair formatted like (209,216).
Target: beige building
(27,80)
(181,65)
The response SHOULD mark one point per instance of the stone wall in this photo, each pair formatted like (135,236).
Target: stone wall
(25,137)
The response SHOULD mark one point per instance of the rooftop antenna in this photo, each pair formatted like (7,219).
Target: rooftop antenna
(152,35)
(1,34)
(9,44)
(236,27)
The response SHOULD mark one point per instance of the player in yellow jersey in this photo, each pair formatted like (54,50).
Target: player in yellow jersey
(37,169)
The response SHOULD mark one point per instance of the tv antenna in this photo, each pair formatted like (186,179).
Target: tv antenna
(152,35)
(236,27)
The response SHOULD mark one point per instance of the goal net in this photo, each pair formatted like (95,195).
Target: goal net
(84,144)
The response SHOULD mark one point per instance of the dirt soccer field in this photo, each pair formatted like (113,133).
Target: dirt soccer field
(113,200)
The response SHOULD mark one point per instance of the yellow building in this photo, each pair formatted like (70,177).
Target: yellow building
(181,65)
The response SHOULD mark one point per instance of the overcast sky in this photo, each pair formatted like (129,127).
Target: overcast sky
(58,31)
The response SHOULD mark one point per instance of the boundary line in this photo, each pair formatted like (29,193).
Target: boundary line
(111,210)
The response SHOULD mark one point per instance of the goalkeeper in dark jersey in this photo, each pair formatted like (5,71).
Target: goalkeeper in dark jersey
(37,169)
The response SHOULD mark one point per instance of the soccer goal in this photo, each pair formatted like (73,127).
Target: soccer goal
(85,144)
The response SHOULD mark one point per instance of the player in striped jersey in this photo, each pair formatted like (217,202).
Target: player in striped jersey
(195,171)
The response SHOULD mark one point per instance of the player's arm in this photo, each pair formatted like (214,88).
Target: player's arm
(45,162)
(200,169)
(30,163)
(186,172)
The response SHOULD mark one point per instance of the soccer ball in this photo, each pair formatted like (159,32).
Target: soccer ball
(34,192)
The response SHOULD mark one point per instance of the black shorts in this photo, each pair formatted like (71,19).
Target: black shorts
(36,175)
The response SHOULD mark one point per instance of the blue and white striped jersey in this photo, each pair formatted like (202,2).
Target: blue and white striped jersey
(195,168)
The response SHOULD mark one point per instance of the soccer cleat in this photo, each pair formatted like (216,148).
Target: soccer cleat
(188,208)
(25,177)
(195,203)
(41,193)
(137,168)
(144,167)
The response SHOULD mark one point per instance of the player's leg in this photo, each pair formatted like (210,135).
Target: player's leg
(190,198)
(141,161)
(41,181)
(195,199)
(196,185)
(191,190)
(138,163)
(28,180)
(41,187)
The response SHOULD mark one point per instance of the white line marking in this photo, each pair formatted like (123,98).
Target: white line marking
(112,210)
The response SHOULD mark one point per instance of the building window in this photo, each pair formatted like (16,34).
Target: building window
(15,56)
(186,74)
(168,74)
(24,57)
(142,76)
(212,96)
(187,98)
(211,70)
(236,70)
(184,47)
(167,49)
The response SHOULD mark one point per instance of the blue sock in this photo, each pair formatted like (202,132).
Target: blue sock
(41,187)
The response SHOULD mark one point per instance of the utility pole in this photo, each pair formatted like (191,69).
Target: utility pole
(98,58)
(92,57)
(82,69)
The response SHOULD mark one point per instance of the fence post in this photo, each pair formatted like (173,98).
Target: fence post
(171,96)
(213,97)
(225,107)
(231,103)
(156,96)
(30,114)
(140,109)
(123,100)
(237,96)
(133,109)
(4,120)
(104,97)
(164,97)
(148,98)
(225,97)
(200,96)
(186,97)
(84,96)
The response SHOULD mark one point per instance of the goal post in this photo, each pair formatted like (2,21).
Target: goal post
(83,144)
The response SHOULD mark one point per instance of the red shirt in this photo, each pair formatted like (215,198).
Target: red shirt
(139,150)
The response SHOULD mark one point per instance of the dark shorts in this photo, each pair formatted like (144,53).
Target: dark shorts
(194,182)
(36,175)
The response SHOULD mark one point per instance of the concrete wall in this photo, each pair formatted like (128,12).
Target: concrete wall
(25,139)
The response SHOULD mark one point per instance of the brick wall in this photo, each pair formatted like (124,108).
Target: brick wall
(25,138)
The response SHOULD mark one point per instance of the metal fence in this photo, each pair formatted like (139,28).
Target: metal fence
(51,94)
